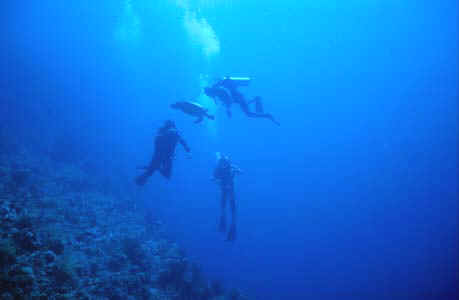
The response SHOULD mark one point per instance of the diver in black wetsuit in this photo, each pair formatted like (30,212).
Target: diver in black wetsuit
(165,144)
(237,97)
(258,104)
(219,93)
(224,173)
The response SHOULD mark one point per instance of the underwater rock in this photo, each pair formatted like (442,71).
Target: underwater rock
(116,263)
(54,244)
(62,274)
(7,253)
(11,215)
(3,172)
(50,257)
(24,222)
(4,210)
(217,287)
(82,295)
(234,294)
(37,260)
(26,240)
(22,277)
(19,177)
(6,296)
(154,292)
(133,250)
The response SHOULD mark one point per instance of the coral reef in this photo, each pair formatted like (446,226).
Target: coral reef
(62,236)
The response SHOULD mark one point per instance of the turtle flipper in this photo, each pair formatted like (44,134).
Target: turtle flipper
(199,120)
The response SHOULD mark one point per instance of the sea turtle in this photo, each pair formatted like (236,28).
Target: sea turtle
(193,109)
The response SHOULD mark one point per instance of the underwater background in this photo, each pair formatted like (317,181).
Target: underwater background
(354,196)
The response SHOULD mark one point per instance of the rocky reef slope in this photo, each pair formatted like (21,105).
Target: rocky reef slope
(62,236)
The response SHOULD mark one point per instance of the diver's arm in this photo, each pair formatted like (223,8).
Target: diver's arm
(236,170)
(184,144)
(214,98)
(218,84)
(216,177)
(216,174)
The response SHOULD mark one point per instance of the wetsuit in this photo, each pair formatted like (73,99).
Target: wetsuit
(219,93)
(258,105)
(239,98)
(225,173)
(165,144)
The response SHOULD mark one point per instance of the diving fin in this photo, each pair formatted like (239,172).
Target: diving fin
(232,233)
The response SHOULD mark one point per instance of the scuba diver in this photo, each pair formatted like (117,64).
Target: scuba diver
(165,144)
(224,173)
(258,104)
(231,84)
(217,92)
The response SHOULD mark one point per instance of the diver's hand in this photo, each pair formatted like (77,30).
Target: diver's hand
(237,170)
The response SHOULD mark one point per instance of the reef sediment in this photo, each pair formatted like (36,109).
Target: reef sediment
(63,236)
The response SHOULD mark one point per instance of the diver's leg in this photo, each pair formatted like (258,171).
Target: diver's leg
(222,224)
(210,116)
(232,231)
(154,165)
(245,109)
(259,107)
(228,110)
(250,114)
(166,168)
(270,116)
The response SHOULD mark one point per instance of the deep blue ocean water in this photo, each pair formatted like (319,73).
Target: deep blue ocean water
(354,196)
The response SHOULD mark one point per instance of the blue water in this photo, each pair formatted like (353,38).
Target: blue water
(354,196)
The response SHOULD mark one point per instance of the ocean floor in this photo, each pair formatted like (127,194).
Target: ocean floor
(64,235)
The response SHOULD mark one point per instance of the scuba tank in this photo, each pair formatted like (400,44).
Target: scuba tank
(238,81)
(222,158)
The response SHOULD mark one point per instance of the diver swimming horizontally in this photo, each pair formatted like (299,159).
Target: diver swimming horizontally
(165,143)
(193,109)
(258,104)
(231,84)
(219,93)
(224,174)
